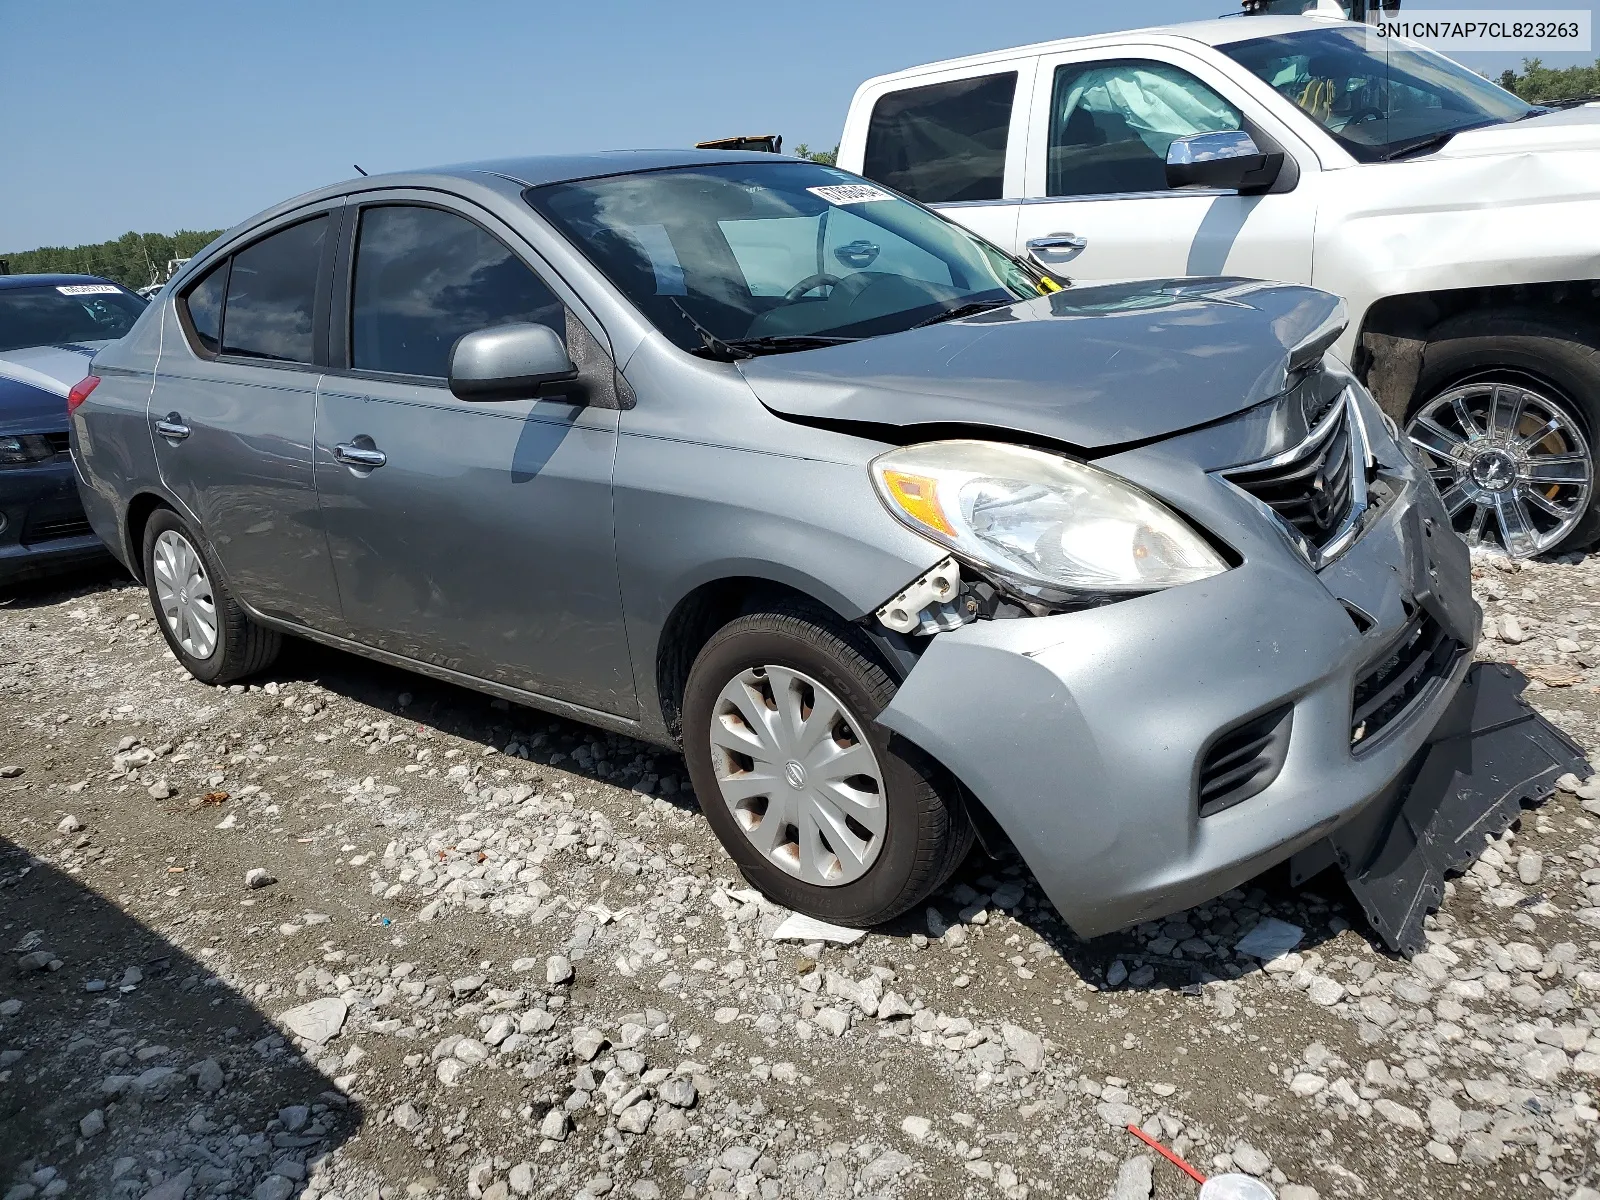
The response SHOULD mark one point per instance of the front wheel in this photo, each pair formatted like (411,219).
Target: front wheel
(1506,426)
(823,810)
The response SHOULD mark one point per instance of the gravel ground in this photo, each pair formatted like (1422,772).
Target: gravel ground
(349,934)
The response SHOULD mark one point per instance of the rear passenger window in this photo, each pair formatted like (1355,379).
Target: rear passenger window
(425,277)
(204,306)
(271,295)
(944,142)
(1111,124)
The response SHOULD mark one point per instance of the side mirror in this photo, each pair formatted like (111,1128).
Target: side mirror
(508,362)
(1230,160)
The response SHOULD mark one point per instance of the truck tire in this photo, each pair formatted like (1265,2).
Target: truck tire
(1505,416)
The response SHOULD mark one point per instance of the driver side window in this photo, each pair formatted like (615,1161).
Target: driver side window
(1111,124)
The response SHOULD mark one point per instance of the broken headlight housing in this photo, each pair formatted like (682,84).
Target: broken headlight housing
(1043,527)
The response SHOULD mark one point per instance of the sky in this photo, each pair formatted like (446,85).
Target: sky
(169,114)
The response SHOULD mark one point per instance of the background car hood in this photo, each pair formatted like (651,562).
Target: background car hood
(25,408)
(1089,367)
(55,368)
(1564,129)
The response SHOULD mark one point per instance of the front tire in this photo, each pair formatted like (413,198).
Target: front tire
(825,811)
(204,625)
(1508,405)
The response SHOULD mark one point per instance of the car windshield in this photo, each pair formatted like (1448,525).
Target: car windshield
(50,315)
(1378,98)
(729,260)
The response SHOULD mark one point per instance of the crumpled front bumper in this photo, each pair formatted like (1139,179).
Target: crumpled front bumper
(1082,734)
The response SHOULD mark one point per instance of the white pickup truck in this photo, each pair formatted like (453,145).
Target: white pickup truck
(1461,225)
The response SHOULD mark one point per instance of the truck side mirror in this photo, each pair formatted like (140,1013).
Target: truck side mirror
(1229,159)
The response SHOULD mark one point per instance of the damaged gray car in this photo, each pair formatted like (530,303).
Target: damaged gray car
(902,544)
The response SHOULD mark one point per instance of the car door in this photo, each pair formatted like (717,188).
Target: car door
(953,140)
(1097,203)
(233,411)
(473,536)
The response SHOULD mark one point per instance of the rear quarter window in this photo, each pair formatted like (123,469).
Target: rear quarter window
(944,142)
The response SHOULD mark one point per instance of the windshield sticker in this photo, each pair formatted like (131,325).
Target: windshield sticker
(850,193)
(88,289)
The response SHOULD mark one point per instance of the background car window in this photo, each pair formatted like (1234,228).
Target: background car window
(944,142)
(1111,125)
(423,278)
(74,312)
(204,304)
(272,292)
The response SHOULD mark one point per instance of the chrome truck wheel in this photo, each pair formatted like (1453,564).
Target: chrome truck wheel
(1510,461)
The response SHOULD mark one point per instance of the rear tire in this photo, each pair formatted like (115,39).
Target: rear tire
(204,625)
(1552,367)
(829,815)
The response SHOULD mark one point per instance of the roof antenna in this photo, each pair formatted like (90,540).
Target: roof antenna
(357,166)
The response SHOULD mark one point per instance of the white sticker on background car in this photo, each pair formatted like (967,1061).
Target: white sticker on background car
(850,193)
(88,289)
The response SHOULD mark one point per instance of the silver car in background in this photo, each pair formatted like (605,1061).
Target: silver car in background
(896,539)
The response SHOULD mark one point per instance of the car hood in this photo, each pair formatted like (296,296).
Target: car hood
(25,408)
(1565,129)
(1090,367)
(55,368)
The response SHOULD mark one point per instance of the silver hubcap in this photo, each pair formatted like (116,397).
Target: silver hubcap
(1511,464)
(798,776)
(183,590)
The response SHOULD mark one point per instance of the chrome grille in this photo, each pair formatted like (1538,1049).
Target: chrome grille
(1318,489)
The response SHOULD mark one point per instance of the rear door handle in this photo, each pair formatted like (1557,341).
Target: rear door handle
(359,456)
(1058,241)
(172,427)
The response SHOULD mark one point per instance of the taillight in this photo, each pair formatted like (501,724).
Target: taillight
(80,393)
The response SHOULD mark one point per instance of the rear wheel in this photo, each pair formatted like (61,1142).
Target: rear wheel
(204,625)
(822,809)
(1506,426)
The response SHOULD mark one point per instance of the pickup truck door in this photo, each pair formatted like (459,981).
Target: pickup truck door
(1095,176)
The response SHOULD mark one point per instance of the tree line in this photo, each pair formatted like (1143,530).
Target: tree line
(134,260)
(1539,84)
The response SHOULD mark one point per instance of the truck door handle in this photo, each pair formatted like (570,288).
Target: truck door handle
(351,455)
(172,427)
(1058,241)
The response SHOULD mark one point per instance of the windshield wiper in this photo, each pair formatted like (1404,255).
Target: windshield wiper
(784,343)
(963,310)
(1421,145)
(713,346)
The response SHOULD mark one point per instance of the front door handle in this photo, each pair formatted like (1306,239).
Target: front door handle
(368,457)
(172,427)
(1058,241)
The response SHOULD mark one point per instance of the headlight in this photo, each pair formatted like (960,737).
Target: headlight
(20,449)
(1042,522)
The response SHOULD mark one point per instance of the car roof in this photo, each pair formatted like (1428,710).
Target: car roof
(536,170)
(50,280)
(1221,31)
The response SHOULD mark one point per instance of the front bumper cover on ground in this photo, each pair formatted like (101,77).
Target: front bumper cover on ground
(1489,756)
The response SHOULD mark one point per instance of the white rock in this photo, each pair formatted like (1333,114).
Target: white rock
(894,1005)
(92,1124)
(406,1116)
(832,1020)
(917,1127)
(558,969)
(69,824)
(554,1126)
(1544,1064)
(450,1071)
(678,1092)
(1511,630)
(1398,1114)
(520,1179)
(636,1118)
(1026,1047)
(258,877)
(1269,939)
(319,1021)
(799,928)
(1307,1084)
(1250,1160)
(1325,991)
(1135,1179)
(1530,867)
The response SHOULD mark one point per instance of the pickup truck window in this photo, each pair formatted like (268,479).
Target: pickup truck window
(1112,122)
(1377,102)
(943,142)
